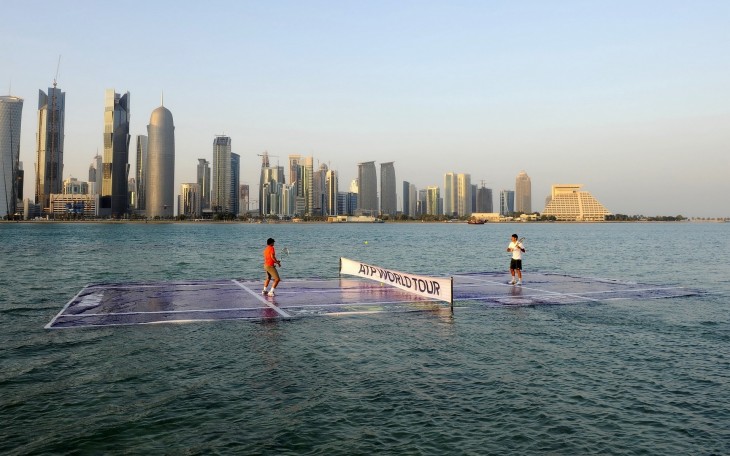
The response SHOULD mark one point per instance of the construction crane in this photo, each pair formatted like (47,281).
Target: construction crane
(265,159)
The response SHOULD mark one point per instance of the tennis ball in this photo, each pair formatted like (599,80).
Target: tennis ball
(366,242)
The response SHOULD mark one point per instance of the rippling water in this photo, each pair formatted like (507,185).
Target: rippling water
(622,377)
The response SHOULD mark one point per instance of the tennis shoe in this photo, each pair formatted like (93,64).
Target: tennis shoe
(263,292)
(519,282)
(271,293)
(512,282)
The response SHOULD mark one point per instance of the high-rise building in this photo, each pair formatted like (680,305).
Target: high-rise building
(244,198)
(49,145)
(433,201)
(235,182)
(319,191)
(413,199)
(11,110)
(388,196)
(113,199)
(188,202)
(96,172)
(406,198)
(506,202)
(484,202)
(295,161)
(220,194)
(450,194)
(263,198)
(463,195)
(421,207)
(308,185)
(204,183)
(160,175)
(367,179)
(523,193)
(141,171)
(568,203)
(332,187)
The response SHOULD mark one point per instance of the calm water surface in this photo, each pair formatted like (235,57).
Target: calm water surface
(648,377)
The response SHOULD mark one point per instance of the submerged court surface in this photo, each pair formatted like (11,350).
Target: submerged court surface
(186,301)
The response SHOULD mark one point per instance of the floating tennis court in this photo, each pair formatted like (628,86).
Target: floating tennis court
(113,304)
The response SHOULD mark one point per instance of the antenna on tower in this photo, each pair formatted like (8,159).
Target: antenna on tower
(58,67)
(162,98)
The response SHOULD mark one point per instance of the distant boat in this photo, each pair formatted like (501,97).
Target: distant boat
(476,222)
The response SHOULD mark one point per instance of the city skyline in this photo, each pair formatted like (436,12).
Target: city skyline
(629,99)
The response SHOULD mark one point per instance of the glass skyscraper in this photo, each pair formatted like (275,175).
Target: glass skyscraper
(235,181)
(463,195)
(220,200)
(523,193)
(204,183)
(506,202)
(367,198)
(49,141)
(115,176)
(141,170)
(388,197)
(450,194)
(11,110)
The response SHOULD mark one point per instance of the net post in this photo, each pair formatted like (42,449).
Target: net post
(452,294)
(339,271)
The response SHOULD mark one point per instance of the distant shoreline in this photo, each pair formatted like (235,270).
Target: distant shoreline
(320,222)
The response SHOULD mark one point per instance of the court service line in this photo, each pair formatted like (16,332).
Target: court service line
(262,299)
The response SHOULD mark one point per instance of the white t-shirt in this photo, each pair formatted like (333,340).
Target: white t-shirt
(516,252)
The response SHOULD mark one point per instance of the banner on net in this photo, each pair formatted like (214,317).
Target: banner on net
(429,287)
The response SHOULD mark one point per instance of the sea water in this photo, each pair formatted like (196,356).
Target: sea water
(619,377)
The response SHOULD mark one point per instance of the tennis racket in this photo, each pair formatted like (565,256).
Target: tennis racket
(520,244)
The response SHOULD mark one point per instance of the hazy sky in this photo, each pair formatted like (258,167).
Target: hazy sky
(629,98)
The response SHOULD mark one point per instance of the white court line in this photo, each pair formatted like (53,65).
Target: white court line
(153,312)
(262,299)
(572,295)
(50,324)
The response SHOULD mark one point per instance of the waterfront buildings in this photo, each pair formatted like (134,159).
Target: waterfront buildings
(160,176)
(484,202)
(244,199)
(95,175)
(188,202)
(388,197)
(235,182)
(367,181)
(463,195)
(74,205)
(450,194)
(433,200)
(73,186)
(523,193)
(49,145)
(221,185)
(332,192)
(506,202)
(114,193)
(204,183)
(11,110)
(141,171)
(568,203)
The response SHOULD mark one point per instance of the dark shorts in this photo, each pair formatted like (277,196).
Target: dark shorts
(271,272)
(515,264)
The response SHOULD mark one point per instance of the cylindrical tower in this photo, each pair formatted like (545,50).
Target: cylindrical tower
(160,173)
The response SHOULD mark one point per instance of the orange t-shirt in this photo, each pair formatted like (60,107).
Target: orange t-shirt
(269,255)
